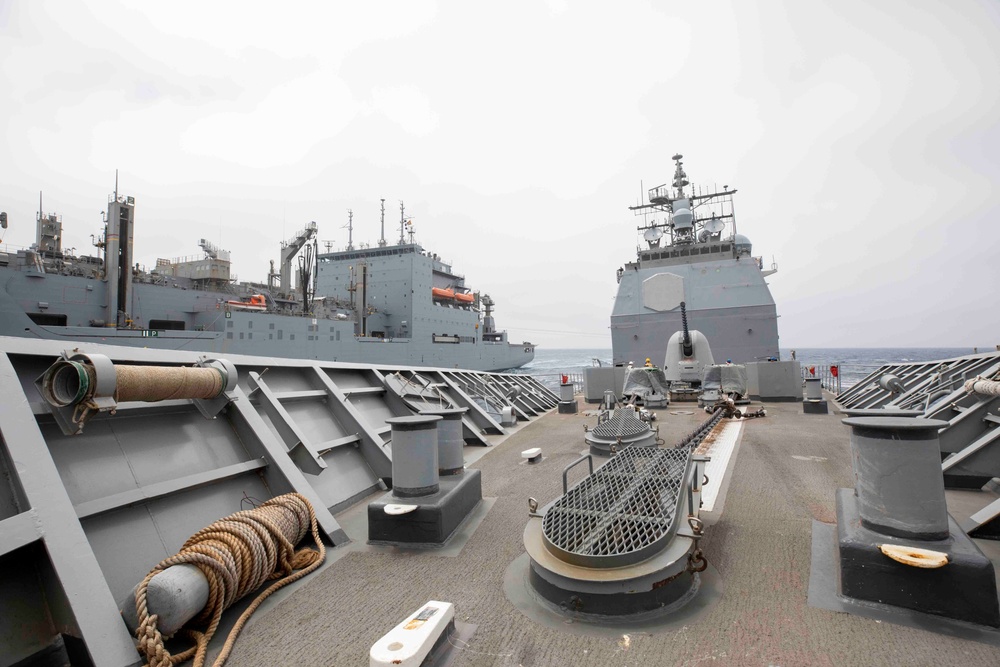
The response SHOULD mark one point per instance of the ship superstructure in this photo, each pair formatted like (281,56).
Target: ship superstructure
(394,303)
(693,254)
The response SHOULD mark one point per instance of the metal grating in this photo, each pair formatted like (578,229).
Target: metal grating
(623,424)
(621,514)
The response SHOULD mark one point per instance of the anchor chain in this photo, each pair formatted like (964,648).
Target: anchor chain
(696,559)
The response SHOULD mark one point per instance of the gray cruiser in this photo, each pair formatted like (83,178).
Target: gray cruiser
(694,255)
(393,303)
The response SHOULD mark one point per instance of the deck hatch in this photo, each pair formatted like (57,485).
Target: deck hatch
(624,423)
(621,514)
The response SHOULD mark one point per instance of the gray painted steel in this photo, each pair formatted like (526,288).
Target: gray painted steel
(965,588)
(814,389)
(566,392)
(775,380)
(152,474)
(702,262)
(449,438)
(371,305)
(415,455)
(897,470)
(619,428)
(621,514)
(175,595)
(969,442)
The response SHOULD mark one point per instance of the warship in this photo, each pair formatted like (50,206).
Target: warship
(393,302)
(693,254)
(148,495)
(733,542)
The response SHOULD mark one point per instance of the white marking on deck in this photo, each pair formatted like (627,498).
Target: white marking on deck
(721,450)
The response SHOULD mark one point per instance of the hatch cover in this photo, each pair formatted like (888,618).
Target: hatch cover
(621,514)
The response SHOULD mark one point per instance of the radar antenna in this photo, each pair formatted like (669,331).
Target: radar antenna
(680,178)
(714,225)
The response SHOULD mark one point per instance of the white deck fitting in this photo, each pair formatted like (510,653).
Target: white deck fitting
(409,642)
(720,450)
(396,510)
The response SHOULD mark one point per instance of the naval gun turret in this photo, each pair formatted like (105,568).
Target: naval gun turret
(688,353)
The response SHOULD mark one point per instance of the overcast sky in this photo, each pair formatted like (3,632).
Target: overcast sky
(863,138)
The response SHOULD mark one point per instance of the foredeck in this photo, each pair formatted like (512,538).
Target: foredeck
(782,477)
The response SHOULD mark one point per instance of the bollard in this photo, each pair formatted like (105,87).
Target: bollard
(414,455)
(566,392)
(435,503)
(898,480)
(813,403)
(176,595)
(450,440)
(897,510)
(814,389)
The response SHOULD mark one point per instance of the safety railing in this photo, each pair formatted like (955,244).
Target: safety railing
(836,377)
(553,380)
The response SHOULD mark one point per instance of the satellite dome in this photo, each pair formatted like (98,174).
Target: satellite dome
(743,245)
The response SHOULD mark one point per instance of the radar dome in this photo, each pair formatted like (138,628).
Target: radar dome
(682,218)
(743,245)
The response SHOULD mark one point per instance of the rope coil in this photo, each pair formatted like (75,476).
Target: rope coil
(237,554)
(983,386)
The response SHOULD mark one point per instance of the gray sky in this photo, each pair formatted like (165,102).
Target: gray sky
(863,138)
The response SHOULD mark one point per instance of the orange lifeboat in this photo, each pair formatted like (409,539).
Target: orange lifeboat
(255,302)
(464,298)
(439,293)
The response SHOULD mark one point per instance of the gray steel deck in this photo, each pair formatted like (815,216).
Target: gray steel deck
(783,477)
(82,518)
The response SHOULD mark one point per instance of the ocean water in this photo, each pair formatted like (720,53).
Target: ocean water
(854,363)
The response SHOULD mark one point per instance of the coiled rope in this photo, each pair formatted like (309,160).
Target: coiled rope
(236,554)
(983,386)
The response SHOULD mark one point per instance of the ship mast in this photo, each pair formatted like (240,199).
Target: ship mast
(681,222)
(402,223)
(350,229)
(381,241)
(680,178)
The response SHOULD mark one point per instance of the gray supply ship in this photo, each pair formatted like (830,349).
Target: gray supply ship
(143,491)
(693,254)
(392,303)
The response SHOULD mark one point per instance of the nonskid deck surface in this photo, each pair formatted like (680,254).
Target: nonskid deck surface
(783,476)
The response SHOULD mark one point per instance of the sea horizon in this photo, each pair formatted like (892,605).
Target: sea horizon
(853,363)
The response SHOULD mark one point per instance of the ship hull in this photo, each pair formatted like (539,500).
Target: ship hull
(212,328)
(727,300)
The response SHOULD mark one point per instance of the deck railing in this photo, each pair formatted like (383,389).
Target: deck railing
(553,380)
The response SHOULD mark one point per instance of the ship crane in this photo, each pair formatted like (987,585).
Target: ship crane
(288,251)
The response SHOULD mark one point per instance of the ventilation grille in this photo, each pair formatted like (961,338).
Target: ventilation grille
(620,514)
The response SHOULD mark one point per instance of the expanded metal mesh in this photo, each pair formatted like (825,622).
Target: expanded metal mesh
(624,423)
(619,514)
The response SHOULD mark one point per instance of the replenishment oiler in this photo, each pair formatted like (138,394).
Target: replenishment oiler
(455,518)
(393,302)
